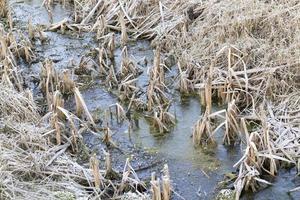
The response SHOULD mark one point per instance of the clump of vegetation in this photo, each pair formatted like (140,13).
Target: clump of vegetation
(3,8)
(161,188)
(245,55)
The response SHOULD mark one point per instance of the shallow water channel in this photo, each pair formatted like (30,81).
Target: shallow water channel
(195,173)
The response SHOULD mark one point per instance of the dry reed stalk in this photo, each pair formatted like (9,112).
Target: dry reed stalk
(91,13)
(155,187)
(6,80)
(111,47)
(202,97)
(56,102)
(30,29)
(185,85)
(103,68)
(127,88)
(41,35)
(57,115)
(3,8)
(208,90)
(127,65)
(49,80)
(108,164)
(81,106)
(111,79)
(75,134)
(101,27)
(67,84)
(156,95)
(27,52)
(166,183)
(129,178)
(85,67)
(157,71)
(57,127)
(48,6)
(124,36)
(202,133)
(120,112)
(94,166)
(75,13)
(162,119)
(4,48)
(107,136)
(249,170)
(159,124)
(222,94)
(232,128)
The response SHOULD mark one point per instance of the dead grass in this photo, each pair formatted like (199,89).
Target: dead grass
(34,167)
(16,105)
(244,53)
(161,190)
(3,8)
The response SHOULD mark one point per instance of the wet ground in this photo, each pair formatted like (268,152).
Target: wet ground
(195,172)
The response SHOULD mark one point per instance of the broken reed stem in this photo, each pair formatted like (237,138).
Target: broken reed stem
(111,47)
(56,102)
(57,115)
(41,35)
(249,169)
(127,65)
(155,187)
(4,49)
(202,131)
(157,72)
(166,183)
(108,164)
(163,119)
(112,78)
(208,91)
(48,6)
(229,81)
(94,166)
(102,67)
(49,80)
(67,84)
(101,26)
(232,128)
(81,106)
(91,13)
(157,194)
(107,135)
(57,130)
(3,8)
(124,36)
(30,29)
(184,82)
(222,94)
(120,112)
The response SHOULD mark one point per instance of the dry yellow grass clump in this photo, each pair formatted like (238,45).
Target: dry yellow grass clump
(3,8)
(35,154)
(244,53)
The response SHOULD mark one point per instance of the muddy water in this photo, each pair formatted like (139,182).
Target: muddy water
(195,172)
(285,181)
(26,9)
